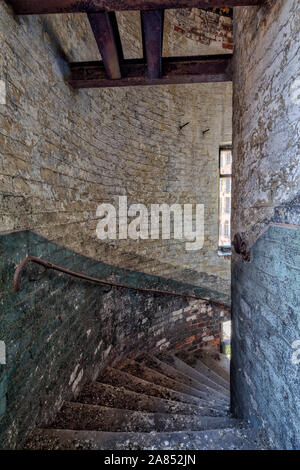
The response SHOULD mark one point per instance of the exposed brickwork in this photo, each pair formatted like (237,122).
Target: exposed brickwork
(266,172)
(64,151)
(184,28)
(60,332)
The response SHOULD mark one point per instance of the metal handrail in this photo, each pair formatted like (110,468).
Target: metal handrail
(47,265)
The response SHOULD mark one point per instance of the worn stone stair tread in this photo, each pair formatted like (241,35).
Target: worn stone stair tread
(197,364)
(79,416)
(118,397)
(186,369)
(213,439)
(172,371)
(216,362)
(119,378)
(169,371)
(152,403)
(221,359)
(154,376)
(204,375)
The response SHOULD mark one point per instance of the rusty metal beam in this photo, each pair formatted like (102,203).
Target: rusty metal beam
(175,70)
(106,32)
(38,7)
(152,33)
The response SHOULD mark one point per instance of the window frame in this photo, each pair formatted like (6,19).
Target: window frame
(223,249)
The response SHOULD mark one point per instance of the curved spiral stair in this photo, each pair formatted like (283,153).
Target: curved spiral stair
(163,402)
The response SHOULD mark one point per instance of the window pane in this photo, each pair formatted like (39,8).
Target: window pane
(227,205)
(228,185)
(225,162)
(226,229)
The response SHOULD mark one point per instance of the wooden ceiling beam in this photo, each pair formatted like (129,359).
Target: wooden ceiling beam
(152,23)
(39,7)
(106,32)
(175,70)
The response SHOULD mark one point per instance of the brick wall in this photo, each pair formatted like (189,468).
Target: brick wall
(266,114)
(266,173)
(60,332)
(194,30)
(63,151)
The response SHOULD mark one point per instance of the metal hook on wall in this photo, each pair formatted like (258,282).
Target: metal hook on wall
(241,248)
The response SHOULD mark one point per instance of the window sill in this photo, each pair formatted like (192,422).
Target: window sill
(224,253)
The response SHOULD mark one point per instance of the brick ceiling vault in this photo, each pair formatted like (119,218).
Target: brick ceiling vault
(152,68)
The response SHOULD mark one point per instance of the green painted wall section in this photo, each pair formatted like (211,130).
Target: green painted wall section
(266,323)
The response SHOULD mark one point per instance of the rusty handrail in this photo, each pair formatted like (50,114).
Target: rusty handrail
(47,265)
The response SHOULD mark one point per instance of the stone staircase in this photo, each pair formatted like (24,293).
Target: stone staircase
(164,402)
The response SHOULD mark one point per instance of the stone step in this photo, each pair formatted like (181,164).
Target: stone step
(196,363)
(217,362)
(166,369)
(186,369)
(80,416)
(156,377)
(220,439)
(118,397)
(119,378)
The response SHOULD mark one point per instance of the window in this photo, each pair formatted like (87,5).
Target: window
(225,199)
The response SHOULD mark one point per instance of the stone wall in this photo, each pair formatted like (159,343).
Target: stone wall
(64,151)
(266,114)
(266,324)
(60,332)
(266,175)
